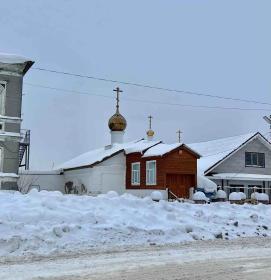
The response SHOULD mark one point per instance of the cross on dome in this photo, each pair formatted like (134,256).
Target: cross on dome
(117,122)
(118,91)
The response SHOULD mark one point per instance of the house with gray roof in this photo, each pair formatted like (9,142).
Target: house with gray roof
(238,163)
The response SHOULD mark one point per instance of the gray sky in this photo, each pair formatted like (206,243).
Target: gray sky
(211,47)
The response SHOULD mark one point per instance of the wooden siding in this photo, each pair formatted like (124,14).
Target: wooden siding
(179,161)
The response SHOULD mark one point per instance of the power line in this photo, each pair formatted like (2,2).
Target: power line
(150,86)
(146,101)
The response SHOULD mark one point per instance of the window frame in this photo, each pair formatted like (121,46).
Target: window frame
(133,183)
(148,183)
(2,106)
(1,158)
(251,159)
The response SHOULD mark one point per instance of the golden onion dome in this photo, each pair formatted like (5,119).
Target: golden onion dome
(150,133)
(117,122)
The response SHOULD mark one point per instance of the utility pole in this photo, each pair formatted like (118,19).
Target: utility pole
(268,120)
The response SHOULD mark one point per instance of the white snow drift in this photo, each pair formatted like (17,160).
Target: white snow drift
(47,222)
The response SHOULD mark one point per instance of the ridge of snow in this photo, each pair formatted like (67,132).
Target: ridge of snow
(161,149)
(8,58)
(12,175)
(242,176)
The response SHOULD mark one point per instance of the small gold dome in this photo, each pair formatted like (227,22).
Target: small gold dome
(150,133)
(117,122)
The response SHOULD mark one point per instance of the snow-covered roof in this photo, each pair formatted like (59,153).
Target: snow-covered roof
(40,172)
(9,60)
(140,146)
(96,156)
(12,58)
(242,176)
(10,175)
(161,149)
(214,151)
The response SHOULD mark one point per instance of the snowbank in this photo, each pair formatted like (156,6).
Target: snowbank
(50,222)
(260,196)
(156,196)
(221,194)
(237,196)
(199,196)
(204,183)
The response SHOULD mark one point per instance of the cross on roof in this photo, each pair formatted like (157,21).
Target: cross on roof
(118,91)
(150,120)
(179,132)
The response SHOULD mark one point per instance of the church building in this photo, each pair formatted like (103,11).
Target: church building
(136,167)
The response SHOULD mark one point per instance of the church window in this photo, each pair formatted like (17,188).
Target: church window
(151,172)
(136,173)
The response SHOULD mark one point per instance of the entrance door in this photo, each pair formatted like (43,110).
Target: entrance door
(179,184)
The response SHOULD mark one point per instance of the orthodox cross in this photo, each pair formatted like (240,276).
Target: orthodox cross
(150,120)
(179,135)
(118,91)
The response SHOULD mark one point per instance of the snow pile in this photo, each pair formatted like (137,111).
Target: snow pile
(156,196)
(260,196)
(42,223)
(206,184)
(221,194)
(199,196)
(237,196)
(263,197)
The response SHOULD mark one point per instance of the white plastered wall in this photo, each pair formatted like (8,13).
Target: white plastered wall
(103,177)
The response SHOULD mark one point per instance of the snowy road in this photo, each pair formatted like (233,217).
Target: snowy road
(237,259)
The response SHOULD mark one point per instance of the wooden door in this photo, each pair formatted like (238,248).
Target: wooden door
(179,184)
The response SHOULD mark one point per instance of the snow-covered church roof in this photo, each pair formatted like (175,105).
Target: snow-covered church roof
(98,155)
(215,151)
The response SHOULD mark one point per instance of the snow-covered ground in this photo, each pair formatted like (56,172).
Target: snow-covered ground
(44,223)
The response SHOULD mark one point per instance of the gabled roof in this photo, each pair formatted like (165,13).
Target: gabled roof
(216,151)
(162,149)
(94,157)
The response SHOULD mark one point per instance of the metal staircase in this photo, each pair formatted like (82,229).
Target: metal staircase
(24,149)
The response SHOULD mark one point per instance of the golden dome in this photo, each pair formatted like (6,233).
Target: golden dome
(117,122)
(150,133)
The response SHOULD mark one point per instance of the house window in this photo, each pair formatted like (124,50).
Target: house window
(1,126)
(2,97)
(151,172)
(136,173)
(1,159)
(255,159)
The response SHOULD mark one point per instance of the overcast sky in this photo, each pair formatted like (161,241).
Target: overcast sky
(211,47)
